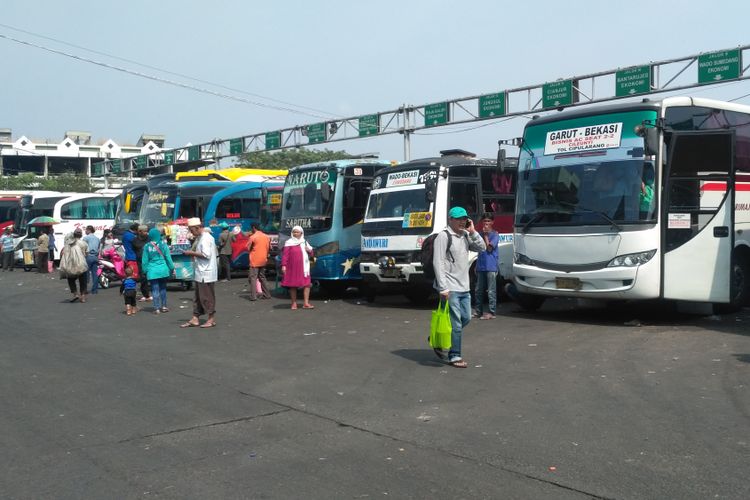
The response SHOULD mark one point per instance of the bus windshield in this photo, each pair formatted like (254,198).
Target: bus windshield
(587,171)
(397,193)
(308,199)
(158,205)
(126,215)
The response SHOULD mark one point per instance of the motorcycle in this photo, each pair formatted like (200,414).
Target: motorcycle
(111,267)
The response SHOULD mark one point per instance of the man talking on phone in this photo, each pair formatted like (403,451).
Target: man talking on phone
(452,274)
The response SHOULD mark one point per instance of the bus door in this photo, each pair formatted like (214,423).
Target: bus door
(698,217)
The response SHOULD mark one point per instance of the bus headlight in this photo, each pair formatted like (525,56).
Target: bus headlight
(632,259)
(520,258)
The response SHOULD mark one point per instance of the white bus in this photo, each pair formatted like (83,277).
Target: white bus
(635,201)
(81,210)
(410,201)
(32,205)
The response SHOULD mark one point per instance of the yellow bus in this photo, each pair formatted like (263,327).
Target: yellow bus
(231,174)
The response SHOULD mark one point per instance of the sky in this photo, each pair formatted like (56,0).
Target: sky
(343,58)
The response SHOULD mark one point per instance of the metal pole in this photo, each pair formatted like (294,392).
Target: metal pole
(407,135)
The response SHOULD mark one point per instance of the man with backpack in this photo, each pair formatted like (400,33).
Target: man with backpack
(450,261)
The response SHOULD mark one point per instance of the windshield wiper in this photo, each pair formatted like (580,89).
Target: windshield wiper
(536,216)
(601,214)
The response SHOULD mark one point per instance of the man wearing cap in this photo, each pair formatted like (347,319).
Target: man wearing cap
(452,275)
(226,238)
(205,274)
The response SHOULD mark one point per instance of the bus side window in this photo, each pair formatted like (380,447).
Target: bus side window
(464,194)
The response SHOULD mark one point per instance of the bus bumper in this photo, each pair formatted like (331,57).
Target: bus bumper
(616,283)
(400,274)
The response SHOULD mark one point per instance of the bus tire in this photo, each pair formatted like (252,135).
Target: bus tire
(418,295)
(739,292)
(334,288)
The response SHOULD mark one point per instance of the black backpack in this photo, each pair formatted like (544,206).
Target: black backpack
(428,251)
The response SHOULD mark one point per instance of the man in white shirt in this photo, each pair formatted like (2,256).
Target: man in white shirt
(205,274)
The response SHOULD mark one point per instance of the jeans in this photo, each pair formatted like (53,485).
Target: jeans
(9,260)
(159,293)
(460,311)
(93,262)
(486,281)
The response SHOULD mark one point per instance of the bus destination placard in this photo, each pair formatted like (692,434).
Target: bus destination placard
(574,140)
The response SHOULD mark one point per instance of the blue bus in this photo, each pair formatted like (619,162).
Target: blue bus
(239,204)
(328,200)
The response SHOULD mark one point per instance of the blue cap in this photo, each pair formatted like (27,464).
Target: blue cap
(457,213)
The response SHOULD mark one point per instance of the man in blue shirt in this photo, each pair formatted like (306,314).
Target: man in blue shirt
(7,244)
(92,257)
(487,265)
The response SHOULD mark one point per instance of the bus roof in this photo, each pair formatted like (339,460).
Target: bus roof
(228,174)
(339,164)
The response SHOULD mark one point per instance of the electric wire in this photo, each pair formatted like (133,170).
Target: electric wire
(164,70)
(161,80)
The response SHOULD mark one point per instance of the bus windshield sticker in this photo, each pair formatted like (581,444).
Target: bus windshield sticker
(678,221)
(579,139)
(275,199)
(402,178)
(417,219)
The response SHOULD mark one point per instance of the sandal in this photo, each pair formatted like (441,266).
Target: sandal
(164,309)
(294,307)
(189,324)
(308,306)
(459,363)
(208,325)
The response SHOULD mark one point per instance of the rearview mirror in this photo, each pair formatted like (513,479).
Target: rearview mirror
(501,161)
(430,188)
(650,138)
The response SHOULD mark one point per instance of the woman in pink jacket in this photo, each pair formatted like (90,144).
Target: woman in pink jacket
(295,267)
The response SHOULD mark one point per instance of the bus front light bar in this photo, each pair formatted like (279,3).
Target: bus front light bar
(632,259)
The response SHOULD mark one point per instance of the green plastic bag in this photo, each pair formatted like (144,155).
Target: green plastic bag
(440,327)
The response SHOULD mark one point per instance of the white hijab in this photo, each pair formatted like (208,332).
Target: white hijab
(305,247)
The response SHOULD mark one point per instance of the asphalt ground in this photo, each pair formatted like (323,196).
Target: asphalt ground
(348,401)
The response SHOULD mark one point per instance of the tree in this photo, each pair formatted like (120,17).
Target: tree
(27,181)
(288,158)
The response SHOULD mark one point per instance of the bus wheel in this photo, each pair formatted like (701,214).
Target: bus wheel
(334,288)
(418,295)
(738,292)
(528,302)
(368,291)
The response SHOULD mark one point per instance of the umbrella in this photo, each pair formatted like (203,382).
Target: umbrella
(43,221)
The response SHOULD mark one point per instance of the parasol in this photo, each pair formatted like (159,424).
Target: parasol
(43,220)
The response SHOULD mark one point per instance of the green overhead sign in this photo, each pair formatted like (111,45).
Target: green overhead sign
(141,162)
(719,66)
(369,125)
(115,166)
(194,153)
(169,157)
(316,132)
(236,146)
(492,105)
(557,94)
(436,114)
(273,140)
(633,81)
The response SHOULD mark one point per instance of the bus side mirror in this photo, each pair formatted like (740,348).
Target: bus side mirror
(430,188)
(263,195)
(128,202)
(350,194)
(325,192)
(650,138)
(502,162)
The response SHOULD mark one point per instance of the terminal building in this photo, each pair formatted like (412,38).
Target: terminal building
(74,153)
